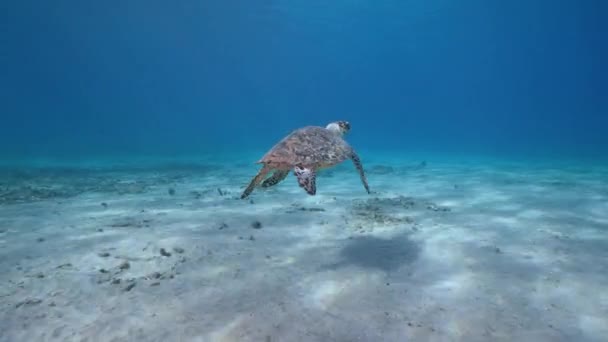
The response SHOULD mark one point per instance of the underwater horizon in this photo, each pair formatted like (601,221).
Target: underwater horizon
(469,202)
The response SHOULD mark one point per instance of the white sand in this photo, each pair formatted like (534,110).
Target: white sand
(469,252)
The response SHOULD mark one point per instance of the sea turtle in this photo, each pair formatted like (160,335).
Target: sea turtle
(305,151)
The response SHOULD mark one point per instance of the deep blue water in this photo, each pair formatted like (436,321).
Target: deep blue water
(470,76)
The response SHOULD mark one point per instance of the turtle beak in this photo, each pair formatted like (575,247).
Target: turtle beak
(345,125)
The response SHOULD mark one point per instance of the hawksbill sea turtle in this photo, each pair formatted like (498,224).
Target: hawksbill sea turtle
(305,151)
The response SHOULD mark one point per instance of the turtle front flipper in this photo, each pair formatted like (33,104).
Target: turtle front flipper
(359,166)
(275,179)
(255,181)
(306,178)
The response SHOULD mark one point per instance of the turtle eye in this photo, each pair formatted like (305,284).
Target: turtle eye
(345,125)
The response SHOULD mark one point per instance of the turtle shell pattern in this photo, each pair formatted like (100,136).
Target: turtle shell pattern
(308,146)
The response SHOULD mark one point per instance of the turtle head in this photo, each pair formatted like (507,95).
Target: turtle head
(340,127)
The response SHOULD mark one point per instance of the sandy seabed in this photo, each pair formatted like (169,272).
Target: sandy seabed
(440,251)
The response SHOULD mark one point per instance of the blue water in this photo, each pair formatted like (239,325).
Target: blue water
(490,77)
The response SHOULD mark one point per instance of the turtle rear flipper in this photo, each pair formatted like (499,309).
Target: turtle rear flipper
(255,181)
(306,178)
(275,179)
(359,166)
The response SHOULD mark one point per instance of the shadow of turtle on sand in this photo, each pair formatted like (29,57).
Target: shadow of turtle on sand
(376,253)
